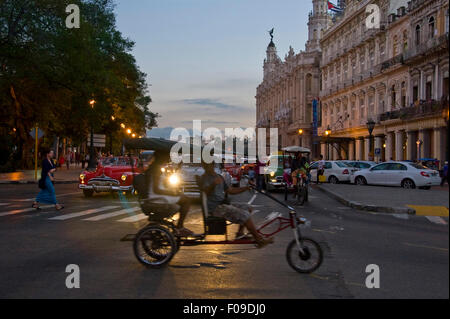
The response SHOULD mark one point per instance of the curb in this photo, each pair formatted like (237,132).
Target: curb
(34,182)
(366,207)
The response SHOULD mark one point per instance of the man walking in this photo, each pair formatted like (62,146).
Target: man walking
(444,174)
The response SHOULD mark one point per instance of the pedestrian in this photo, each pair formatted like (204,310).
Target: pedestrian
(61,161)
(47,193)
(68,158)
(320,168)
(83,160)
(444,174)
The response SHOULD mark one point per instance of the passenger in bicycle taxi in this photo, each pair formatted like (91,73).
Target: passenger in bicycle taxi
(151,181)
(219,206)
(301,170)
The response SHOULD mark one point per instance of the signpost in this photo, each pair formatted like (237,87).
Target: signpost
(99,140)
(36,134)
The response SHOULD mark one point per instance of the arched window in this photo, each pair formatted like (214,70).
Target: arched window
(418,35)
(431,27)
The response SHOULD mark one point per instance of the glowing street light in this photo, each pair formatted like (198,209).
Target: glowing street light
(129,131)
(300,132)
(92,103)
(133,135)
(122,125)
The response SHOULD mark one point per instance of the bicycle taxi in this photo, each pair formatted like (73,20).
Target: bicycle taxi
(157,243)
(301,190)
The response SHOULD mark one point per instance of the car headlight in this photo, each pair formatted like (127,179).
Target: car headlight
(272,174)
(174,180)
(82,176)
(123,178)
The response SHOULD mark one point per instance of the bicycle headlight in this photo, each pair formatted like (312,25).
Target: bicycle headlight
(174,180)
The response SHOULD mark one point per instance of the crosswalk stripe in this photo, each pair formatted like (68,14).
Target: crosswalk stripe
(83,213)
(20,211)
(113,214)
(436,220)
(133,219)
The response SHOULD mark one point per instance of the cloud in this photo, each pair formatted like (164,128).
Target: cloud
(214,103)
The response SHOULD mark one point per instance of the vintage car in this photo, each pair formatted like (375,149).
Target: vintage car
(113,174)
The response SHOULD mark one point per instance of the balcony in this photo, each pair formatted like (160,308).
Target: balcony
(427,47)
(424,109)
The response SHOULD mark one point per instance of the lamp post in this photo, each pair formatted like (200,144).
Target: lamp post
(91,164)
(370,127)
(327,134)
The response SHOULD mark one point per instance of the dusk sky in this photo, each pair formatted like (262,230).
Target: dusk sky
(204,57)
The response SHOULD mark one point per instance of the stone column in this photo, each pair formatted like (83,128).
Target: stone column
(439,144)
(411,147)
(366,148)
(335,151)
(389,146)
(351,150)
(399,146)
(359,149)
(323,150)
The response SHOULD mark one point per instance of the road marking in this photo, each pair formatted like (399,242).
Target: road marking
(430,210)
(83,213)
(133,219)
(436,220)
(401,216)
(32,199)
(428,247)
(20,211)
(323,231)
(252,199)
(113,214)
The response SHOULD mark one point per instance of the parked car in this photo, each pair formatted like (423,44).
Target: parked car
(404,174)
(113,174)
(334,171)
(359,165)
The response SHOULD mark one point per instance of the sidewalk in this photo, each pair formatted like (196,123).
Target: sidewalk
(394,200)
(62,176)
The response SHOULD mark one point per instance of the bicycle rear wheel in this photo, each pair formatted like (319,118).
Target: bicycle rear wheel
(308,261)
(154,246)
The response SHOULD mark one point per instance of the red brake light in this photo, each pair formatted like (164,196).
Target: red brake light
(424,174)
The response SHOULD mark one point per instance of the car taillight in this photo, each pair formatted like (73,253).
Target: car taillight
(345,172)
(424,174)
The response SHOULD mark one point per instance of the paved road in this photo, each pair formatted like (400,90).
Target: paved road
(36,247)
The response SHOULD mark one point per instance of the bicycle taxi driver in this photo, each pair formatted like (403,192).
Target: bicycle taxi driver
(216,190)
(153,176)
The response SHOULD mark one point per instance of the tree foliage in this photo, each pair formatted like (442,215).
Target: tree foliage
(49,73)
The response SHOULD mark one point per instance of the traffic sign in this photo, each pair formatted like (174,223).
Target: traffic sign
(33,133)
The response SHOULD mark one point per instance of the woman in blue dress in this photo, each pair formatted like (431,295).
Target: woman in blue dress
(47,193)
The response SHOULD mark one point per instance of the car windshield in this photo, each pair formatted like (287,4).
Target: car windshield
(342,164)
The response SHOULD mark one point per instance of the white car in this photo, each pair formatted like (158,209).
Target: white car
(334,171)
(404,174)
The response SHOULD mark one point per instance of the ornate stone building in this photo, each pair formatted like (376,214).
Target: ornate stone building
(396,76)
(285,97)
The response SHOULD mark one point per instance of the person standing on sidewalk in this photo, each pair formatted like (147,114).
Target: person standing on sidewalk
(320,168)
(444,174)
(68,158)
(47,193)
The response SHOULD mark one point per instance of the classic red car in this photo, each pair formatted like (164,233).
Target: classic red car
(235,172)
(113,174)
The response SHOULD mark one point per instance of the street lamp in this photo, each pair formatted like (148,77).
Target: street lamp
(370,127)
(91,164)
(419,144)
(327,134)
(300,132)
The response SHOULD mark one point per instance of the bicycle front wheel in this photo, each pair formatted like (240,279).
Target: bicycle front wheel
(307,261)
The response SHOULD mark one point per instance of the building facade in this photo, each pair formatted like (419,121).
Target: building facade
(395,76)
(285,97)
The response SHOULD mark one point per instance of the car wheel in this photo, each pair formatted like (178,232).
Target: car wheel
(88,193)
(360,181)
(333,180)
(408,184)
